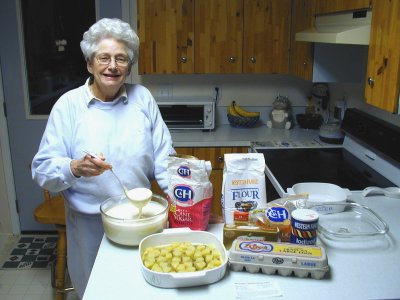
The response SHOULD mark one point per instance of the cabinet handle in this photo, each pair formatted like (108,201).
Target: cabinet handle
(183,59)
(371,81)
(253,60)
(220,159)
(232,59)
(304,63)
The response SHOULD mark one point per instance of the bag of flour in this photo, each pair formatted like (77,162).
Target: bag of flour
(189,193)
(243,186)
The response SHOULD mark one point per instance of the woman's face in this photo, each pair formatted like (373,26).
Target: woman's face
(109,77)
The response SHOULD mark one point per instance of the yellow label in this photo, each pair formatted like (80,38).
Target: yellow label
(244,181)
(297,250)
(263,247)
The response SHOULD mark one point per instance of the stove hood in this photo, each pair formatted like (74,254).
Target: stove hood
(340,28)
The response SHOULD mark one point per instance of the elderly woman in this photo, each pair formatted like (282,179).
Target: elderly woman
(119,122)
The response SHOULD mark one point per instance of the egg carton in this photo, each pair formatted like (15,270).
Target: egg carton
(282,258)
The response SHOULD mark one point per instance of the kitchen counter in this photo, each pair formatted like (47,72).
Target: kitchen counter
(228,136)
(358,270)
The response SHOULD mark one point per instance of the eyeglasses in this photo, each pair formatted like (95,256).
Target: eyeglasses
(105,60)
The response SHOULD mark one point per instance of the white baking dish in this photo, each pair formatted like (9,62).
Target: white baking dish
(321,194)
(176,280)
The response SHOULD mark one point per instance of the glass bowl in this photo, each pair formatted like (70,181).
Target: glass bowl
(121,223)
(352,221)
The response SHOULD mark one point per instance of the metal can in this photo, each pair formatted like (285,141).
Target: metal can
(304,226)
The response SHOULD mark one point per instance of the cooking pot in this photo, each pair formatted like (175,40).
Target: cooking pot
(331,133)
(321,193)
(309,121)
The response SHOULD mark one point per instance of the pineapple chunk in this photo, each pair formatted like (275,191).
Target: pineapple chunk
(150,249)
(217,262)
(216,253)
(199,259)
(190,252)
(200,265)
(156,253)
(200,247)
(191,269)
(177,253)
(166,268)
(205,251)
(186,259)
(210,266)
(208,258)
(197,254)
(156,268)
(175,245)
(181,268)
(149,263)
(175,265)
(176,259)
(161,259)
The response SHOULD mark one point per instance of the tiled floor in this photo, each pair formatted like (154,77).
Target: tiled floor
(25,284)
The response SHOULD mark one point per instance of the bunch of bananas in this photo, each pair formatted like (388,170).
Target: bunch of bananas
(238,111)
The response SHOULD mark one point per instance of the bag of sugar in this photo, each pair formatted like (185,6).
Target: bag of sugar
(243,185)
(189,193)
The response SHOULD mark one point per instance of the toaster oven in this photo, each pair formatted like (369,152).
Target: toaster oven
(187,113)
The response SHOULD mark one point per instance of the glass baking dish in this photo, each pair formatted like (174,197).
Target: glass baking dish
(355,220)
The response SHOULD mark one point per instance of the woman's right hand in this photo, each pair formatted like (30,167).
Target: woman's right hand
(88,166)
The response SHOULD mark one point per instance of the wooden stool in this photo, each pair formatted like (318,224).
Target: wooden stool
(52,211)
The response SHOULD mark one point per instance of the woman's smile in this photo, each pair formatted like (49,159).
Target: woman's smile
(111,76)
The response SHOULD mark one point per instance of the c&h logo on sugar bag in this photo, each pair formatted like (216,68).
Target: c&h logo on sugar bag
(184,171)
(183,193)
(277,214)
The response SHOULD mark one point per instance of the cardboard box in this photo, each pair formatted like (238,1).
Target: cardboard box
(232,232)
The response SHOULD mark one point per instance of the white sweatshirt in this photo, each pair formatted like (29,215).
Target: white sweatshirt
(129,131)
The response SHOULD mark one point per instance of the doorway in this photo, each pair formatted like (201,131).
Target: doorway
(9,220)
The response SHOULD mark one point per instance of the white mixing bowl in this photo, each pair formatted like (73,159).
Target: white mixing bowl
(321,195)
(121,223)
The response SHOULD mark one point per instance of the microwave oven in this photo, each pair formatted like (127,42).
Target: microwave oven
(187,113)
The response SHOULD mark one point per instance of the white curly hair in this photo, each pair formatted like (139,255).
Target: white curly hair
(110,28)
